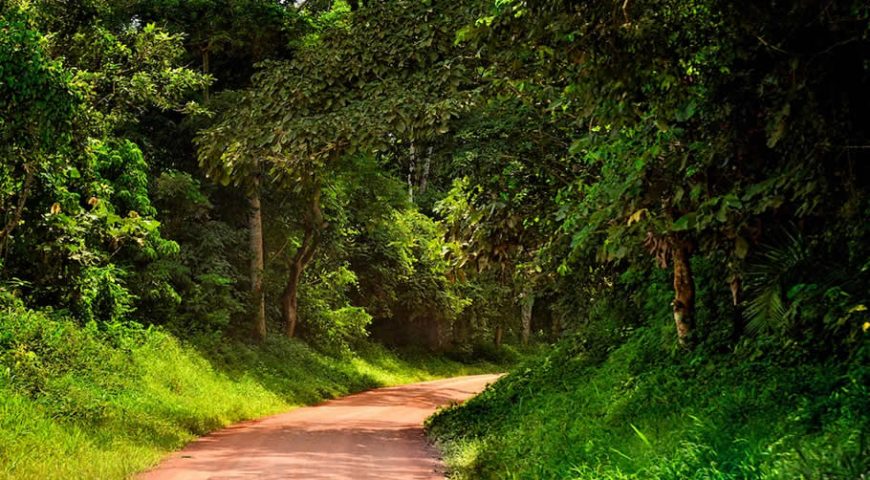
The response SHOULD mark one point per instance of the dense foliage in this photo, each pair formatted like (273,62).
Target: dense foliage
(674,192)
(617,401)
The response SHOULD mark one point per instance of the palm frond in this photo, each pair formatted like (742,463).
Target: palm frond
(775,267)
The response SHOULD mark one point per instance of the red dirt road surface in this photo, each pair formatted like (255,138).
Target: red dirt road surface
(371,435)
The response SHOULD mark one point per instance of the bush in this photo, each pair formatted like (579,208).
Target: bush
(101,296)
(336,331)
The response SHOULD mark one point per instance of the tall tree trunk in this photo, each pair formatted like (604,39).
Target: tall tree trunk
(313,228)
(412,167)
(289,300)
(684,294)
(738,323)
(527,306)
(258,300)
(424,177)
(499,331)
(460,330)
(556,331)
(205,68)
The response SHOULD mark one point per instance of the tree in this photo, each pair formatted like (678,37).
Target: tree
(37,106)
(500,211)
(672,147)
(258,258)
(356,89)
(89,220)
(227,37)
(314,226)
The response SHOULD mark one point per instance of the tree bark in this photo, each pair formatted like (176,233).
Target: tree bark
(499,331)
(258,300)
(556,331)
(19,208)
(527,306)
(738,323)
(412,168)
(460,330)
(424,177)
(205,68)
(684,294)
(289,298)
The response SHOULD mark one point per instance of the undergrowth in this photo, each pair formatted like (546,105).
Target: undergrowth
(646,411)
(104,402)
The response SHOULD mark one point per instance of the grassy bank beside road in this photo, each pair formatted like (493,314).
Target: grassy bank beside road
(85,402)
(641,413)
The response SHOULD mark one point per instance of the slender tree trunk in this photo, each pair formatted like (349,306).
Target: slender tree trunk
(205,69)
(436,341)
(19,208)
(738,322)
(313,228)
(556,331)
(684,294)
(527,306)
(424,177)
(412,167)
(499,331)
(460,330)
(289,300)
(258,300)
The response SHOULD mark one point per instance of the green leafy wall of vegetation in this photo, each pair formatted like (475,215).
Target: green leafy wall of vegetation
(648,412)
(716,141)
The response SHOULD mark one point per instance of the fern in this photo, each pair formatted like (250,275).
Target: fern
(776,267)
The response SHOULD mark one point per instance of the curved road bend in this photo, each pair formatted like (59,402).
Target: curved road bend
(371,435)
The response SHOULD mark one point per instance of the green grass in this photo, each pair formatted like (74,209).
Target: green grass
(648,412)
(106,403)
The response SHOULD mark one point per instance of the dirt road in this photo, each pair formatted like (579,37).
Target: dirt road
(372,435)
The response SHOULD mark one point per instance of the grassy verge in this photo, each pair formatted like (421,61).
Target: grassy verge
(647,412)
(104,403)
